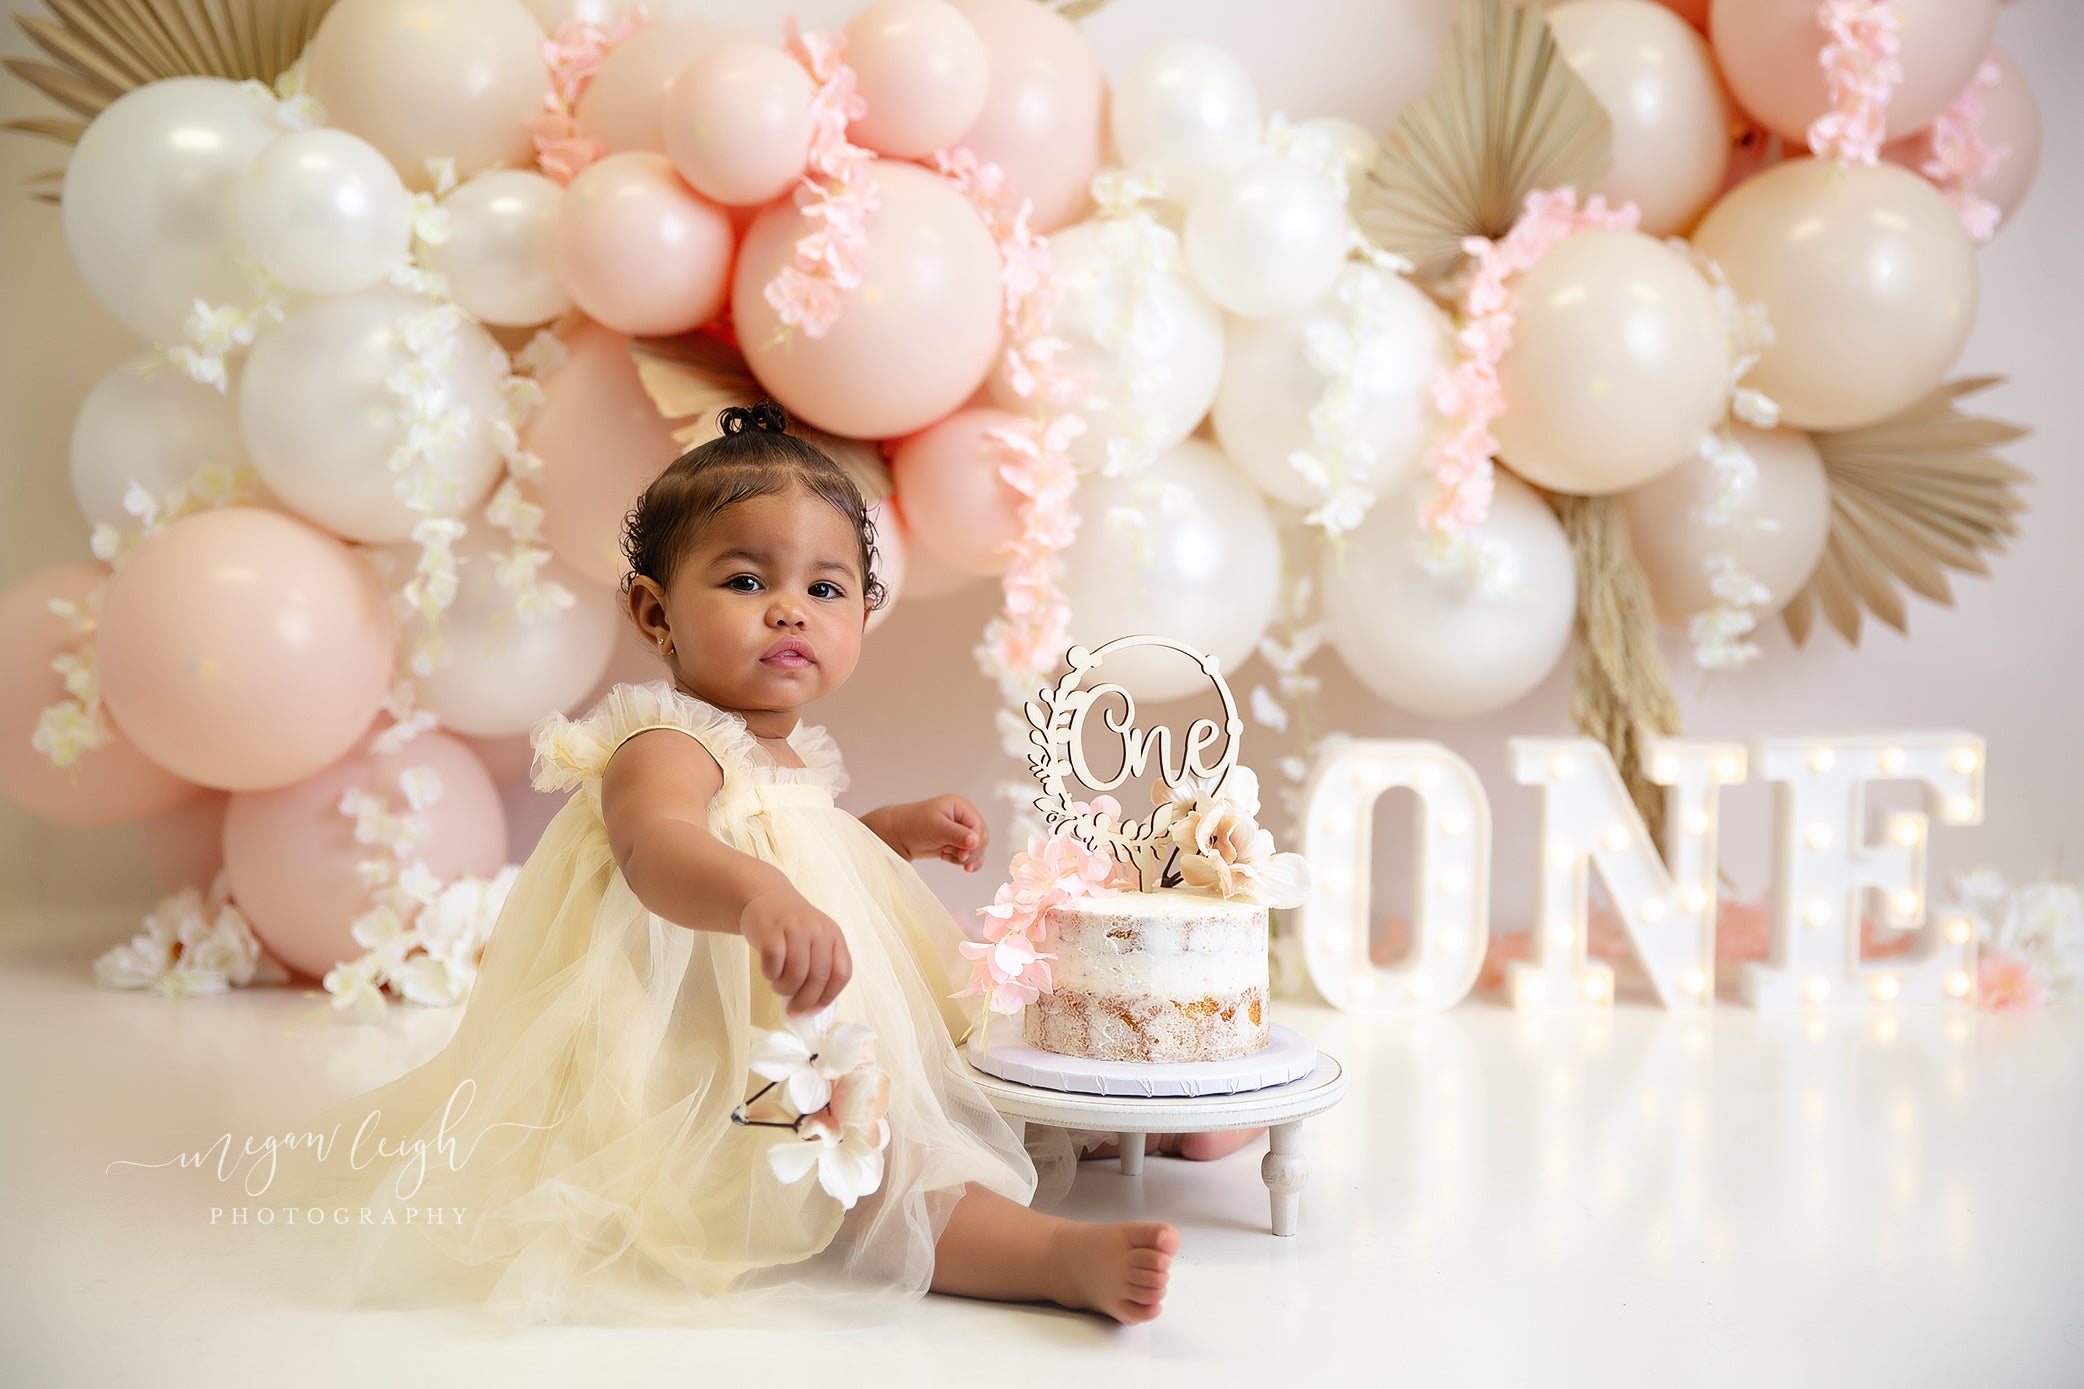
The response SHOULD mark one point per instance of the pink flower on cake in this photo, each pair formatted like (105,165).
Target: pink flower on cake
(1011,971)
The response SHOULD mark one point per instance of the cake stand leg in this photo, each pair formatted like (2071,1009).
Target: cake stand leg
(1283,1170)
(1131,1145)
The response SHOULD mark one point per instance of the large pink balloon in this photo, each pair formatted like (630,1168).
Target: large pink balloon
(1866,276)
(602,442)
(108,785)
(914,338)
(926,576)
(243,649)
(639,250)
(624,105)
(737,122)
(1770,55)
(292,855)
(185,846)
(956,505)
(923,70)
(1045,117)
(2010,128)
(457,80)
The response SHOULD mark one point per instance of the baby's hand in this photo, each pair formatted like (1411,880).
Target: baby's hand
(802,953)
(948,828)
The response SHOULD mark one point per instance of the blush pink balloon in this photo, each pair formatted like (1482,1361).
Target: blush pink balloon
(639,250)
(109,785)
(957,506)
(2010,127)
(914,338)
(624,105)
(1770,51)
(1045,116)
(293,860)
(925,575)
(242,649)
(185,846)
(602,442)
(923,70)
(891,560)
(737,122)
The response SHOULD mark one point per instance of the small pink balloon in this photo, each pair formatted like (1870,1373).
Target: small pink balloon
(1045,115)
(926,576)
(294,863)
(185,846)
(891,560)
(639,250)
(624,105)
(109,785)
(923,70)
(1770,53)
(738,124)
(2009,127)
(507,758)
(930,276)
(243,649)
(956,505)
(602,442)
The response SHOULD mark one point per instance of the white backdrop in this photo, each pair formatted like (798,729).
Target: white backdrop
(917,718)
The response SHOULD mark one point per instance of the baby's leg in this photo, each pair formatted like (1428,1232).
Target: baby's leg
(999,1249)
(1197,1147)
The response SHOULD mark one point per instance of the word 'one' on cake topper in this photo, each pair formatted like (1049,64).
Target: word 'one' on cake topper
(1059,715)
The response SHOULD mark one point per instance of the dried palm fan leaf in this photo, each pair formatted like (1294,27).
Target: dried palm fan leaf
(1912,497)
(1507,116)
(1075,10)
(694,376)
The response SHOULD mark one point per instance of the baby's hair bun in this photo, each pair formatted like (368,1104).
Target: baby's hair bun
(766,416)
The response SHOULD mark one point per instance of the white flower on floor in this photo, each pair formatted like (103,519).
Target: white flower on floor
(2035,932)
(190,943)
(844,1140)
(807,1058)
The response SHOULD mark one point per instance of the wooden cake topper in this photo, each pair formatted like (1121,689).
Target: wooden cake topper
(1058,715)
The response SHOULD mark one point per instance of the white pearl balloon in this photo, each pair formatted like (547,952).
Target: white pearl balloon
(551,13)
(1205,571)
(321,423)
(324,212)
(1355,143)
(1398,342)
(1438,644)
(1267,236)
(500,255)
(153,430)
(148,200)
(1185,109)
(1148,344)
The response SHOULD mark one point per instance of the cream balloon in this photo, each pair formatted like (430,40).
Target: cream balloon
(1656,77)
(500,253)
(154,430)
(321,422)
(1267,236)
(1775,524)
(1452,644)
(324,212)
(1355,143)
(1186,109)
(1148,344)
(1619,364)
(1203,568)
(1866,276)
(149,200)
(1376,325)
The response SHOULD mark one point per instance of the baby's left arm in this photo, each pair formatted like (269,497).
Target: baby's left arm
(948,828)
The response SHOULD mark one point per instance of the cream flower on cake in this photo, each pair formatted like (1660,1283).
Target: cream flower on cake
(1222,848)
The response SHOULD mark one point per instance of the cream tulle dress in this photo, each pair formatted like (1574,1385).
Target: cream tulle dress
(585,1097)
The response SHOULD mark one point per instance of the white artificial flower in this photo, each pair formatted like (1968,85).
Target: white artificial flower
(809,1056)
(356,984)
(844,1142)
(426,979)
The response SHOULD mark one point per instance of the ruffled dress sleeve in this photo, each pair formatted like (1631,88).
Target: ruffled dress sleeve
(572,754)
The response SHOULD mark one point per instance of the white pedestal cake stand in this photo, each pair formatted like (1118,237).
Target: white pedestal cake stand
(1278,1108)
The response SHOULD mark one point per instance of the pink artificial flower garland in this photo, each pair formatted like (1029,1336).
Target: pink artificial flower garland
(1862,63)
(837,195)
(1467,394)
(573,52)
(1011,970)
(1960,160)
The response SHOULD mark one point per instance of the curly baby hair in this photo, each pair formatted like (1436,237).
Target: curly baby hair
(754,456)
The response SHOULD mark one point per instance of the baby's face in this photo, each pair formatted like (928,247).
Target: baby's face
(767,610)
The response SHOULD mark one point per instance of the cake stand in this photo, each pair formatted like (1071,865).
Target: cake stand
(1280,1109)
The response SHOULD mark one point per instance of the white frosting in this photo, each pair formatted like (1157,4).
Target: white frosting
(1168,944)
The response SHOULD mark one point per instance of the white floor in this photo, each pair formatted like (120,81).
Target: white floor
(1633,1199)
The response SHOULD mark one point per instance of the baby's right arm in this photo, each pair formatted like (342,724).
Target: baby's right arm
(655,796)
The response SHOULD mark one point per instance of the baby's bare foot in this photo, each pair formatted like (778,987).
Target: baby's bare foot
(1120,1269)
(1200,1147)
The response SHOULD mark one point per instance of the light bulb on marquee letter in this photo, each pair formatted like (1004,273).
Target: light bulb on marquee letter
(1823,863)
(1451,859)
(1587,818)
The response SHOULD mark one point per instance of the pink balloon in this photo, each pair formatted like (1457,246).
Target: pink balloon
(108,785)
(507,758)
(292,855)
(1770,56)
(185,846)
(243,649)
(926,576)
(892,562)
(1045,117)
(922,68)
(737,122)
(639,250)
(957,507)
(930,279)
(624,105)
(2010,128)
(602,442)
